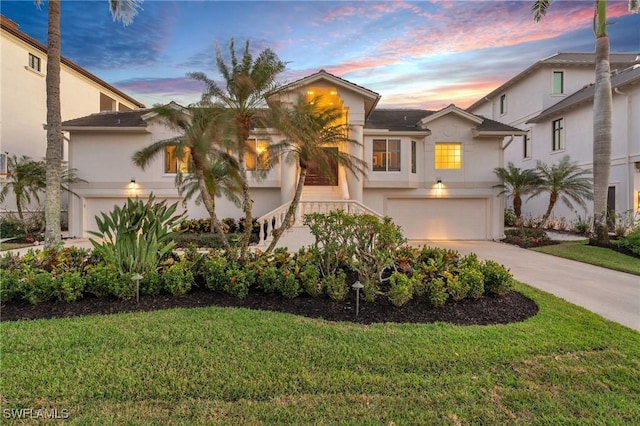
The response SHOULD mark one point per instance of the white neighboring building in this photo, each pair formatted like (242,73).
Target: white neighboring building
(23,110)
(553,101)
(432,172)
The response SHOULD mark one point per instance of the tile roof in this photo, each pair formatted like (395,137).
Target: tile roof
(396,119)
(110,119)
(629,76)
(489,125)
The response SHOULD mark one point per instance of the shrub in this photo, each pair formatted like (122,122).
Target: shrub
(98,279)
(238,282)
(400,292)
(336,285)
(437,292)
(136,236)
(310,279)
(207,240)
(582,226)
(69,286)
(473,280)
(177,279)
(38,286)
(215,272)
(11,227)
(288,285)
(371,289)
(456,288)
(526,237)
(509,217)
(419,284)
(630,242)
(151,283)
(9,285)
(497,279)
(123,287)
(267,278)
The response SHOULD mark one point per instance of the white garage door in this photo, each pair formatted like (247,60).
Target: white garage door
(95,206)
(440,219)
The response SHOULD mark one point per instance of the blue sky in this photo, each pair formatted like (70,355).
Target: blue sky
(425,54)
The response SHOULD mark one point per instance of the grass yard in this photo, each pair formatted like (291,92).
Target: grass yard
(13,246)
(238,366)
(599,256)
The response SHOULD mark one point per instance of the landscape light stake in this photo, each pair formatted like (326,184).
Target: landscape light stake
(137,278)
(357,286)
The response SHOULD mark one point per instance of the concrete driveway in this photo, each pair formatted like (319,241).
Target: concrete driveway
(611,294)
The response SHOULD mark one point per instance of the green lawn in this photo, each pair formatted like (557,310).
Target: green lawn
(13,246)
(238,366)
(583,252)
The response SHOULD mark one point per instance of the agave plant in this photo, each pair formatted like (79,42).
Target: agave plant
(136,236)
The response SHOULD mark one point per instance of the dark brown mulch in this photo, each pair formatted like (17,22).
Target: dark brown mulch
(487,310)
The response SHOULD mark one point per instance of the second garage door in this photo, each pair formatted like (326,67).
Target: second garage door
(440,219)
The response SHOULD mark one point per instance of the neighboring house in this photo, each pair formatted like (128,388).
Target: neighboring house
(432,172)
(23,101)
(553,101)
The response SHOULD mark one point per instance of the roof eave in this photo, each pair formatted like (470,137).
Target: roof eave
(496,133)
(132,129)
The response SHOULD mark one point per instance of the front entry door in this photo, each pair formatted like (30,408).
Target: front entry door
(317,177)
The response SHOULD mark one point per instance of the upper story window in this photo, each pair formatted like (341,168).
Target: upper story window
(526,146)
(257,156)
(107,103)
(34,62)
(3,164)
(503,104)
(414,150)
(557,84)
(172,163)
(448,156)
(386,155)
(557,134)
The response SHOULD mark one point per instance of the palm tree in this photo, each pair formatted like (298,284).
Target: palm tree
(516,183)
(27,179)
(309,128)
(247,82)
(213,170)
(602,113)
(123,10)
(565,181)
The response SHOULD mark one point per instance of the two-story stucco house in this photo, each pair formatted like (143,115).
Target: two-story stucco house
(23,101)
(553,101)
(432,172)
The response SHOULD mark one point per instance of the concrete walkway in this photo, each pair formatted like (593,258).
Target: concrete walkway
(611,294)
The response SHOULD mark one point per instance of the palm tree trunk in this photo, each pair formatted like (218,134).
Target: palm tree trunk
(552,202)
(602,119)
(517,206)
(293,207)
(52,235)
(208,201)
(244,127)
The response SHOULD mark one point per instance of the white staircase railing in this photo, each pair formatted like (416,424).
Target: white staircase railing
(273,220)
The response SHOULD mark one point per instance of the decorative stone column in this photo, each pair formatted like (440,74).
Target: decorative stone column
(356,183)
(288,180)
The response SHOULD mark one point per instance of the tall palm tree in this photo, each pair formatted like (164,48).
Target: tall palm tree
(516,183)
(27,180)
(123,10)
(308,128)
(212,170)
(602,112)
(247,82)
(565,181)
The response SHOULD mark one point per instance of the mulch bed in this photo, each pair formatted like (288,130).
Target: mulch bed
(512,307)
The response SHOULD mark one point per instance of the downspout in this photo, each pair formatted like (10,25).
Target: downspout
(628,153)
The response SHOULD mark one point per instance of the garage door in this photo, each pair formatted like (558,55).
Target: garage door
(95,206)
(440,219)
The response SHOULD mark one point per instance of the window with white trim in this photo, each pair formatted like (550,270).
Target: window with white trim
(386,155)
(257,156)
(557,135)
(557,83)
(526,146)
(34,62)
(3,163)
(448,156)
(172,163)
(414,150)
(503,104)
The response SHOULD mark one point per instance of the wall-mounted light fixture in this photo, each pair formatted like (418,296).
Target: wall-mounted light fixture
(133,180)
(439,184)
(638,200)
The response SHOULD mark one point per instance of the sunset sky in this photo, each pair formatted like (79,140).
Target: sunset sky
(425,54)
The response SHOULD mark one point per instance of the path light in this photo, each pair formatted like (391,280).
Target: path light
(357,286)
(137,278)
